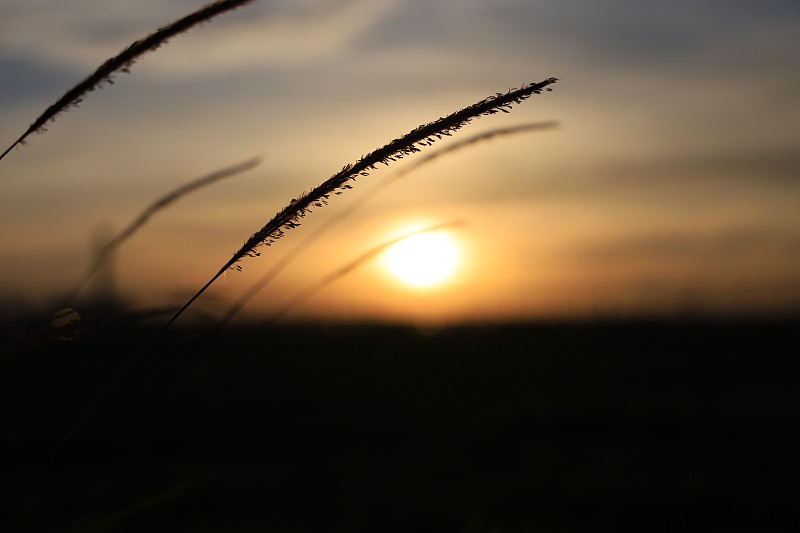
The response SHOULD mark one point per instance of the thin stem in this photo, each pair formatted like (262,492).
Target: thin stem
(341,216)
(424,135)
(154,208)
(123,61)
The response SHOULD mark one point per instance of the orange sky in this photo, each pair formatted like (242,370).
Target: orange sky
(671,183)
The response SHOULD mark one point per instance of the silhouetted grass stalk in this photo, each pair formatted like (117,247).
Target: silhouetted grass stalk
(123,61)
(339,217)
(155,207)
(424,135)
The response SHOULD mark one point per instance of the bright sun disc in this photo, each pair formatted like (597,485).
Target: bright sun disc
(424,259)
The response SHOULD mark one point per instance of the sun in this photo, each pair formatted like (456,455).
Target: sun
(424,259)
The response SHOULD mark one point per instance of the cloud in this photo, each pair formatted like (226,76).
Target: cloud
(80,34)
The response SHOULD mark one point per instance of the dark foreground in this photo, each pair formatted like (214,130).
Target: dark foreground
(570,427)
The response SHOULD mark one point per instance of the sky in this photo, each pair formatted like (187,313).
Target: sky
(671,184)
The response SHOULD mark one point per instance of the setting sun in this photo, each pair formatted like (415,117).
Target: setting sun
(424,259)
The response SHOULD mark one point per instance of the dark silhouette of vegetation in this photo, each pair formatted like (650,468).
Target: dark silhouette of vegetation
(123,61)
(424,135)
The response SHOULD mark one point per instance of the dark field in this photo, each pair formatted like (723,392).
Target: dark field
(657,426)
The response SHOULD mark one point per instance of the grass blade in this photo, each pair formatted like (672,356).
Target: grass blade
(424,135)
(123,61)
(338,218)
(155,207)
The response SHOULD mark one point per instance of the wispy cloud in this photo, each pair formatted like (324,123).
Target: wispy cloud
(78,34)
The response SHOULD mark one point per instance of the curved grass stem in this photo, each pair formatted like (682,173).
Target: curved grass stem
(424,135)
